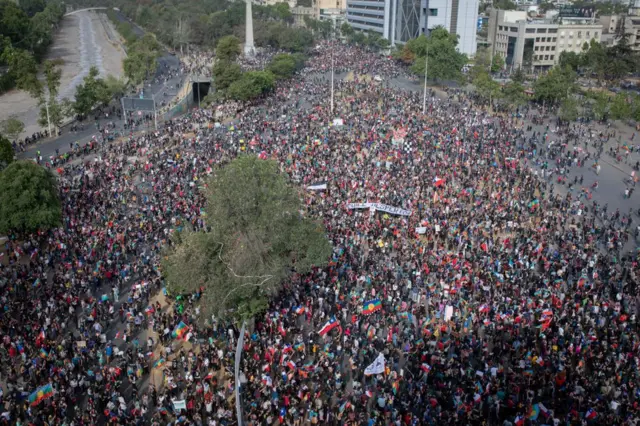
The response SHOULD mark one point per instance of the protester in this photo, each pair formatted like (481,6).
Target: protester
(494,301)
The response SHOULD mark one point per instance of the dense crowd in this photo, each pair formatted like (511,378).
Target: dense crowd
(497,300)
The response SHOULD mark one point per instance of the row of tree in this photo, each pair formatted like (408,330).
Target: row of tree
(26,30)
(606,63)
(142,51)
(230,82)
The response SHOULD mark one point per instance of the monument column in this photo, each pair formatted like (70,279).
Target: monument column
(249,48)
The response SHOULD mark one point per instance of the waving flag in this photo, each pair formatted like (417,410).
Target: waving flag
(299,310)
(534,412)
(591,414)
(330,325)
(159,363)
(376,367)
(438,182)
(41,394)
(180,331)
(371,306)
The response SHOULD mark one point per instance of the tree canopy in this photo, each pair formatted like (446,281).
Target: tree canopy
(6,153)
(445,62)
(26,31)
(29,199)
(257,238)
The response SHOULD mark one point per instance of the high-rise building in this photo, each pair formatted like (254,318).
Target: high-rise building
(401,20)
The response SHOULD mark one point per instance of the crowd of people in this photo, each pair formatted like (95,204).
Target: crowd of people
(472,292)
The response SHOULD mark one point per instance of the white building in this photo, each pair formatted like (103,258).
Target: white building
(401,20)
(536,44)
(459,17)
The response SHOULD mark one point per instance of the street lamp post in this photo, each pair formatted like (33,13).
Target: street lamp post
(426,67)
(237,372)
(332,72)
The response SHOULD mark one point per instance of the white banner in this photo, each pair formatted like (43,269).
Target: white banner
(179,405)
(382,207)
(376,367)
(320,186)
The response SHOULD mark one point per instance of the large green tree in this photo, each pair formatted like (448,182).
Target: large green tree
(251,85)
(228,48)
(445,62)
(29,199)
(12,127)
(92,92)
(282,66)
(225,73)
(556,85)
(257,238)
(6,153)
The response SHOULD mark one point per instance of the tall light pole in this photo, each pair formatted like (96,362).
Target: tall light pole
(237,372)
(332,83)
(424,98)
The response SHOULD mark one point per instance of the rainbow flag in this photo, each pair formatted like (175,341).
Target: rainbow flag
(43,353)
(180,331)
(159,363)
(371,306)
(534,412)
(41,394)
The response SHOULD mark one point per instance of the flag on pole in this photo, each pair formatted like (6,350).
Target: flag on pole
(371,306)
(376,367)
(180,331)
(41,394)
(330,325)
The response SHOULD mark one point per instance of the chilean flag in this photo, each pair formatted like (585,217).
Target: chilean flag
(438,182)
(591,414)
(330,325)
(519,421)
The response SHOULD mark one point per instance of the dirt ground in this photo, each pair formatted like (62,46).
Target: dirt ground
(83,40)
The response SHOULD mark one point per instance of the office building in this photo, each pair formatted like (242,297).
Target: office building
(536,44)
(401,20)
(330,10)
(614,26)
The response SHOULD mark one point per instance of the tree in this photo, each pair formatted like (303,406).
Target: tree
(486,87)
(12,127)
(228,48)
(445,62)
(513,93)
(31,7)
(620,107)
(569,109)
(258,237)
(599,104)
(505,5)
(570,59)
(91,92)
(115,86)
(182,34)
(251,85)
(518,76)
(23,66)
(225,73)
(556,85)
(29,199)
(54,111)
(6,153)
(282,66)
(283,11)
(498,63)
(346,29)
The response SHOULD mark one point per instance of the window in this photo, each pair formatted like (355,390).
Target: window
(588,34)
(500,27)
(551,57)
(542,30)
(536,48)
(553,39)
(548,48)
(553,30)
(546,57)
(530,30)
(538,39)
(595,35)
(433,12)
(579,34)
(514,29)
